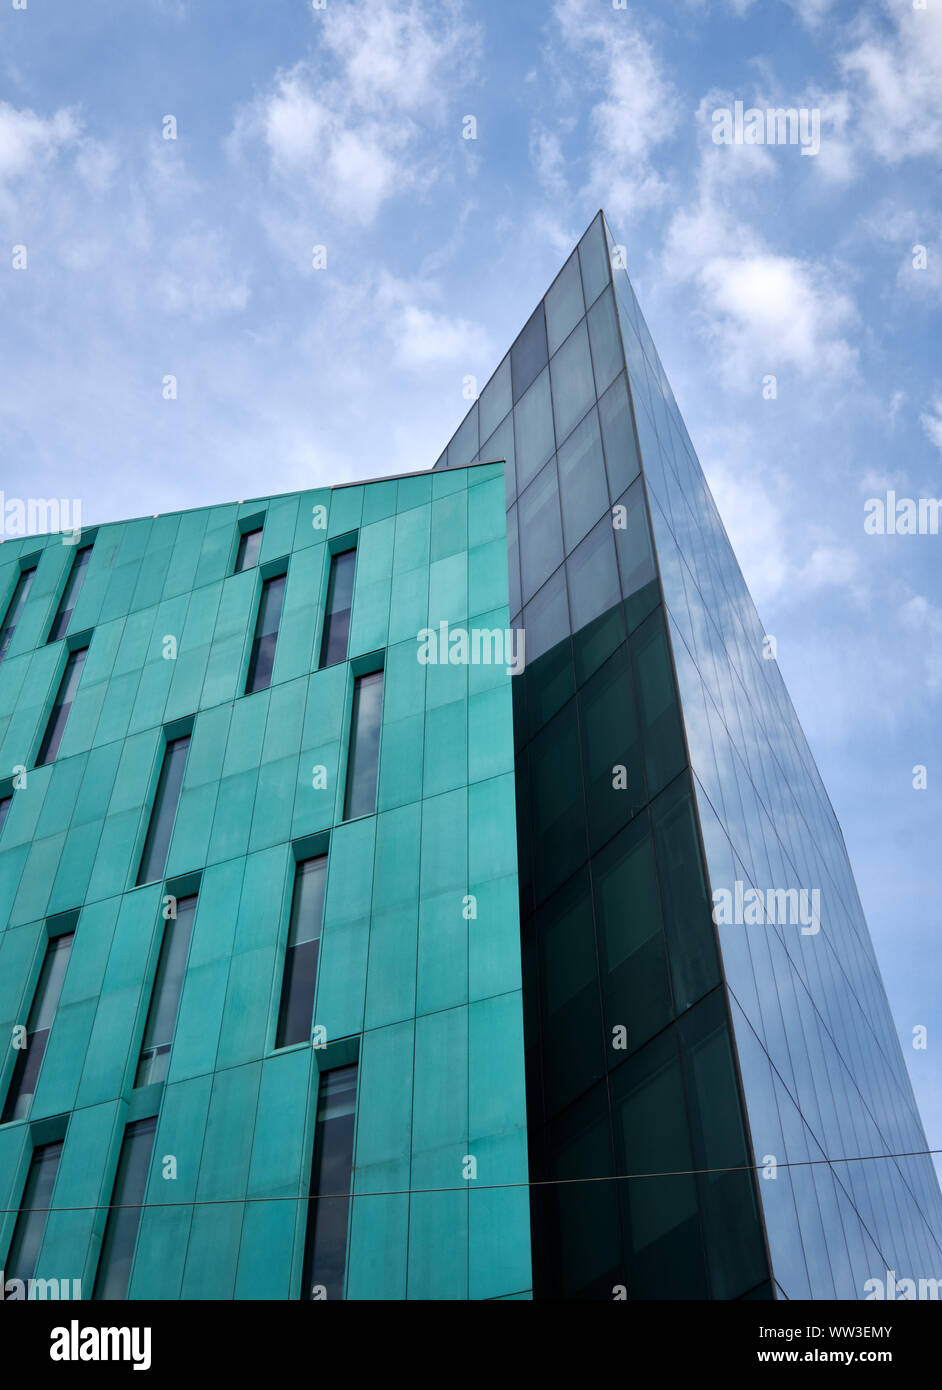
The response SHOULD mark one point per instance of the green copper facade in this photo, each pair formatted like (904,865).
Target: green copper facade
(418,972)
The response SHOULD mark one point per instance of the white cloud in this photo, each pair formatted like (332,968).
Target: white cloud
(811,12)
(424,337)
(781,561)
(762,311)
(898,97)
(347,129)
(399,58)
(27,141)
(771,312)
(637,108)
(546,156)
(931,421)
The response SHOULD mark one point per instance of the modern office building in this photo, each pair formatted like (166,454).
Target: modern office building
(338,961)
(659,762)
(248,816)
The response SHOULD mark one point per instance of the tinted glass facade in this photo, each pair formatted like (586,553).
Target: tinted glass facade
(401,959)
(659,760)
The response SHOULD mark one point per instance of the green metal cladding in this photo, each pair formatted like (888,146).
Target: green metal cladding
(427,1003)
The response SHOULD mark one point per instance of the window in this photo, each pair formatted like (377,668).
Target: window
(124,1216)
(60,624)
(15,608)
(250,543)
(304,939)
(157,844)
(337,612)
(363,758)
(60,710)
(5,803)
(325,1249)
(165,999)
(38,1025)
(266,635)
(34,1208)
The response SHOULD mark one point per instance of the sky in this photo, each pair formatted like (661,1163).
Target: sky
(344,127)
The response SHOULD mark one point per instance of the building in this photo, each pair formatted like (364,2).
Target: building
(659,762)
(579,950)
(212,849)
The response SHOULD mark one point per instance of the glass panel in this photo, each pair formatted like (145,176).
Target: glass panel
(364,746)
(579,1220)
(569,994)
(41,1015)
(501,446)
(124,1218)
(541,536)
(325,1249)
(250,543)
(636,992)
(606,342)
(300,977)
(558,810)
(593,578)
(60,710)
(564,306)
(165,999)
(660,1214)
(573,383)
(337,610)
(513,560)
(154,858)
(593,257)
(635,555)
(262,659)
(732,1235)
(549,679)
(583,492)
(50,982)
(611,749)
(533,430)
(15,608)
(528,354)
(464,445)
(34,1209)
(70,595)
(664,753)
(618,437)
(495,399)
(687,910)
(5,803)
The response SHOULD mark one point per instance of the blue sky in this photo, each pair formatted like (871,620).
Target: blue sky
(342,127)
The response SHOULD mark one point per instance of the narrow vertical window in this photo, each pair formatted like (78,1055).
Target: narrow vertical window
(363,758)
(337,611)
(157,844)
(165,1000)
(5,803)
(41,1015)
(325,1248)
(34,1209)
(15,608)
(304,939)
(60,624)
(60,710)
(250,543)
(124,1216)
(266,635)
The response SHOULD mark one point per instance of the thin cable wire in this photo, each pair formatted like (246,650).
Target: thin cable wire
(480,1187)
